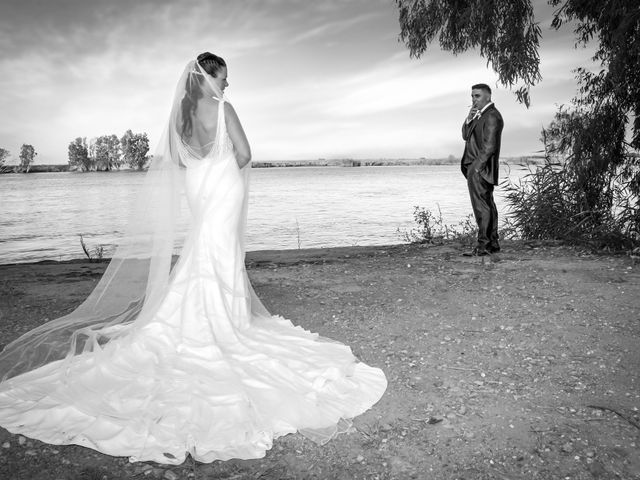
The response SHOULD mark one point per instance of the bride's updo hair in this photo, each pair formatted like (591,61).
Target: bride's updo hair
(211,64)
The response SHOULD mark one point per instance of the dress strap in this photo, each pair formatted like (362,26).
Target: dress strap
(221,109)
(221,123)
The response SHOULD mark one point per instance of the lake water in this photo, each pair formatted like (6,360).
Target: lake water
(42,215)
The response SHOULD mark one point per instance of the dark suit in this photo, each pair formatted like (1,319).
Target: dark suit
(480,163)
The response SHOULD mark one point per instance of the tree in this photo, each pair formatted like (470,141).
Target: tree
(598,135)
(504,31)
(135,147)
(106,154)
(79,155)
(27,155)
(4,154)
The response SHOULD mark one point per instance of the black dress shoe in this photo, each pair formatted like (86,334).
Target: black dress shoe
(494,249)
(476,252)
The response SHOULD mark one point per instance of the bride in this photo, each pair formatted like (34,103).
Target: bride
(162,361)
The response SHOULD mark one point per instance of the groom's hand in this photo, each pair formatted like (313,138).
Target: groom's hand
(472,113)
(477,166)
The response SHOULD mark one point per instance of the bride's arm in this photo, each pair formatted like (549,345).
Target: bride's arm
(238,138)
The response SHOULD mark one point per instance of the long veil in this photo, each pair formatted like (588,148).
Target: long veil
(138,275)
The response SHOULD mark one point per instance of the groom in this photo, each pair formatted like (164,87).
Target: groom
(482,131)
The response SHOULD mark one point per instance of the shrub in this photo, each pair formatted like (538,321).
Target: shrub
(587,191)
(432,229)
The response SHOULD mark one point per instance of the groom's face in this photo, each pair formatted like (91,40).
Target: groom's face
(480,98)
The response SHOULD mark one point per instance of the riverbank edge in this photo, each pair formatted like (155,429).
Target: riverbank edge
(260,257)
(257,258)
(342,162)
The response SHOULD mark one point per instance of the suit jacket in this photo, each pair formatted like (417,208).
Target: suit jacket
(482,144)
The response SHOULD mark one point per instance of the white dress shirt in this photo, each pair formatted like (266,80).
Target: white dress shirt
(479,113)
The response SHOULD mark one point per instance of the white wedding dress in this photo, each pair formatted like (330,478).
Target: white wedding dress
(202,369)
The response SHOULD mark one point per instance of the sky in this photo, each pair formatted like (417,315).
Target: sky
(308,78)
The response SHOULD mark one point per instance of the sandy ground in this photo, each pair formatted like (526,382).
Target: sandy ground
(525,367)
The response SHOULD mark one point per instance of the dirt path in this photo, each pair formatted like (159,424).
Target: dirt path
(497,370)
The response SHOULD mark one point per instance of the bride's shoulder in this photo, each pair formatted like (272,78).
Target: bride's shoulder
(229,111)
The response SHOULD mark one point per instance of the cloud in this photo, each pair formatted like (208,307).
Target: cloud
(332,27)
(395,84)
(309,79)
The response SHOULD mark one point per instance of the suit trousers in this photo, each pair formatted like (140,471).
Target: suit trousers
(484,211)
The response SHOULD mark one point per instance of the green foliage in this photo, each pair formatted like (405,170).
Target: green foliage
(106,153)
(79,155)
(432,229)
(135,147)
(504,31)
(27,155)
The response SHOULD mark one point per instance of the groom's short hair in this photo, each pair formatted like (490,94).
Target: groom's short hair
(482,86)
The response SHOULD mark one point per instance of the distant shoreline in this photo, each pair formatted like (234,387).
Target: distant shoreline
(321,162)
